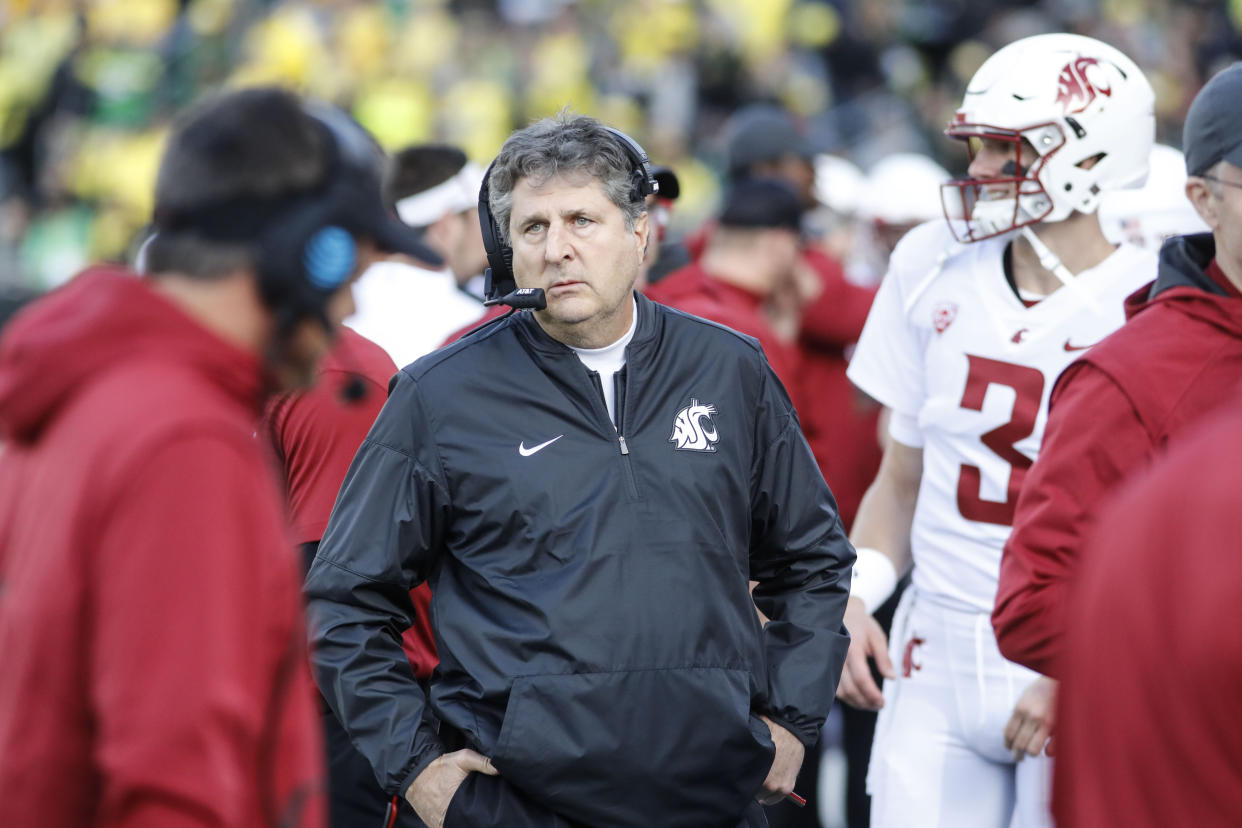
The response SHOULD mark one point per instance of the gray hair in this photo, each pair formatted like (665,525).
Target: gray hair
(562,145)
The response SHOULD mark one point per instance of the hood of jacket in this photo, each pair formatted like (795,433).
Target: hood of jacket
(1182,284)
(102,318)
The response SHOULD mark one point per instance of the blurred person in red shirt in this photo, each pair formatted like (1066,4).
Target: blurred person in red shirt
(316,433)
(154,644)
(751,253)
(821,310)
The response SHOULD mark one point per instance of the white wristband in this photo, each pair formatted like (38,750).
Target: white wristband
(874,579)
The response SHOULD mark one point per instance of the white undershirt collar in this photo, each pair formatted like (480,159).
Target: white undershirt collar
(607,361)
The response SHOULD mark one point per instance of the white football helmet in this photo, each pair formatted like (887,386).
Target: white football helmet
(1073,99)
(902,189)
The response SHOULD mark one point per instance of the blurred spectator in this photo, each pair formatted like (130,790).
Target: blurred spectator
(900,192)
(403,306)
(838,192)
(751,252)
(660,211)
(1147,216)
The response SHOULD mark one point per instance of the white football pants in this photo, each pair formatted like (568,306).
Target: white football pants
(939,757)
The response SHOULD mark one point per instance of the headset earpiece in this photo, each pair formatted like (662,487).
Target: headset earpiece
(305,256)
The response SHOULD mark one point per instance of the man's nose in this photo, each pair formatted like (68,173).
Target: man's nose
(987,164)
(558,246)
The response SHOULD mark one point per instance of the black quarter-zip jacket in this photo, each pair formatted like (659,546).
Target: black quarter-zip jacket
(590,601)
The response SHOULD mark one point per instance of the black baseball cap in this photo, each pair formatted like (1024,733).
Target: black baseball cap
(670,187)
(762,203)
(1213,129)
(764,132)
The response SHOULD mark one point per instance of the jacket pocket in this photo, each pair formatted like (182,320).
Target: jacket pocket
(669,747)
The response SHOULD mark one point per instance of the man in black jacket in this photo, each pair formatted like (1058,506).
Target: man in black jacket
(588,489)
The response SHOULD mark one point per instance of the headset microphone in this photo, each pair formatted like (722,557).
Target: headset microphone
(521,299)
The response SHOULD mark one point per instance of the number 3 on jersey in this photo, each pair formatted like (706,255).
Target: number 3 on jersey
(1028,386)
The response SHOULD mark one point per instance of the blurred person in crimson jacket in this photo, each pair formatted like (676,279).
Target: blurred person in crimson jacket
(1121,403)
(155,664)
(587,486)
(1152,660)
(316,433)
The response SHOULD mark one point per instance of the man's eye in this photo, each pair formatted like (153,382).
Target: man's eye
(534,227)
(582,221)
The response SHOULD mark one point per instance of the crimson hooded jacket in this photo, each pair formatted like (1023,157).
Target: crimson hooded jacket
(1178,356)
(1147,711)
(154,670)
(589,579)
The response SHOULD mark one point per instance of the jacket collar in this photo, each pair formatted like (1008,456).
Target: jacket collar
(530,332)
(1183,262)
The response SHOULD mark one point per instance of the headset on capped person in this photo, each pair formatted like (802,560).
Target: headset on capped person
(303,242)
(500,286)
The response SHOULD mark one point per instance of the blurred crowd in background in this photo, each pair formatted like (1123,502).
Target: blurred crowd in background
(88,87)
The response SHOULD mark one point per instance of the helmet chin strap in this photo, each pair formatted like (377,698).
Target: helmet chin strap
(1052,263)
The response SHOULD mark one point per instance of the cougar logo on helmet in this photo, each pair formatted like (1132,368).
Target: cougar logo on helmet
(1073,86)
(1054,102)
(693,429)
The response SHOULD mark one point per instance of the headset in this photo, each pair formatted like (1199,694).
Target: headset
(500,286)
(303,244)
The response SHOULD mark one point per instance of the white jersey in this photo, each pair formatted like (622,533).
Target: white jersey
(951,348)
(409,311)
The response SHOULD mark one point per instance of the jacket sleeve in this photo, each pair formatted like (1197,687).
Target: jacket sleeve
(382,540)
(196,646)
(801,559)
(1093,439)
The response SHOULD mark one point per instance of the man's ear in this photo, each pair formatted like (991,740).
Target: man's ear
(1203,200)
(642,230)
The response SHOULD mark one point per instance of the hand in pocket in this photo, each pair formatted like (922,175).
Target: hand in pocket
(432,791)
(785,765)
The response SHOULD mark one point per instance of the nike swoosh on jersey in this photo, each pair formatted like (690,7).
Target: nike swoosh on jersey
(1070,347)
(527,452)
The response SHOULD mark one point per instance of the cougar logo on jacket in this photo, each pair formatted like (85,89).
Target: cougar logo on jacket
(693,429)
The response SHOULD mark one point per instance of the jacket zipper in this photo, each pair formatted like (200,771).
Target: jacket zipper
(631,482)
(620,386)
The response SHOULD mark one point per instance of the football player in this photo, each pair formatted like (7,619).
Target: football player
(973,322)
